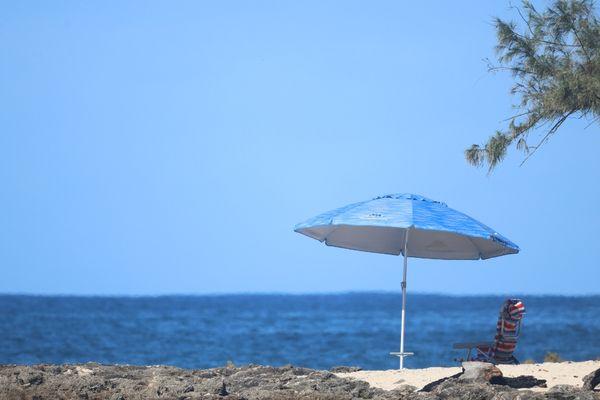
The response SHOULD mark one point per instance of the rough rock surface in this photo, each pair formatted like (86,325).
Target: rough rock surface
(592,380)
(344,369)
(568,392)
(477,371)
(482,373)
(121,382)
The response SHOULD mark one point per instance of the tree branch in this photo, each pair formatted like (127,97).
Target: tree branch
(547,136)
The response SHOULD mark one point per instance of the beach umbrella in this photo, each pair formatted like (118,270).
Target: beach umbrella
(411,225)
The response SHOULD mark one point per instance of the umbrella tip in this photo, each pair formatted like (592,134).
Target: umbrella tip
(408,196)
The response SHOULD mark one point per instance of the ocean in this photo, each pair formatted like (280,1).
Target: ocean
(316,331)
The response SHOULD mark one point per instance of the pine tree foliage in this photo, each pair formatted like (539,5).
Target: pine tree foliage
(554,57)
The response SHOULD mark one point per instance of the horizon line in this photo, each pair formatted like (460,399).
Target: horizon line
(278,293)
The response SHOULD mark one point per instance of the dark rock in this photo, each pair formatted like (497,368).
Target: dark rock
(430,386)
(162,390)
(343,369)
(404,390)
(35,379)
(223,390)
(97,387)
(480,372)
(519,395)
(30,377)
(422,396)
(455,389)
(568,392)
(591,380)
(520,382)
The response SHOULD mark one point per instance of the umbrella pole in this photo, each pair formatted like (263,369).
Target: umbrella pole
(403,354)
(403,300)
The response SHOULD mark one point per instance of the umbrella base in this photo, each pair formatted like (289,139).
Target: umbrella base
(399,354)
(402,354)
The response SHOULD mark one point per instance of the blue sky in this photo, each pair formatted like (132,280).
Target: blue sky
(170,147)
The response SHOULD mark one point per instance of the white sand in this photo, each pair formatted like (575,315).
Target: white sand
(569,373)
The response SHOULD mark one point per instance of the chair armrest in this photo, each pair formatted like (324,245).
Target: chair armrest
(471,345)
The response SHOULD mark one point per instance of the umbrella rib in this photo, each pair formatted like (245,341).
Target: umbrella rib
(352,207)
(335,228)
(474,245)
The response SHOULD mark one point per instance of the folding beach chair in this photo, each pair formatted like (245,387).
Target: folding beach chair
(507,333)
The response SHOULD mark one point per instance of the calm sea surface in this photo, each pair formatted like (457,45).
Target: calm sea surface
(317,331)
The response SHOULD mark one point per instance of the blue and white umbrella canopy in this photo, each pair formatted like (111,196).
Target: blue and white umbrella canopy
(380,226)
(411,225)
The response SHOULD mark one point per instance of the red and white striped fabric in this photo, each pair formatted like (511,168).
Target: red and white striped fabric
(507,333)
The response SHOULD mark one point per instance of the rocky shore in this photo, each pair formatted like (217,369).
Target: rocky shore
(121,382)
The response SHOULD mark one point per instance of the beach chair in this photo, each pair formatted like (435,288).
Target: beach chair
(501,350)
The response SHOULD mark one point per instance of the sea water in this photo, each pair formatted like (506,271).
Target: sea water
(316,331)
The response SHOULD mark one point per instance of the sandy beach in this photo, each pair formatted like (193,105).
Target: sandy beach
(563,373)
